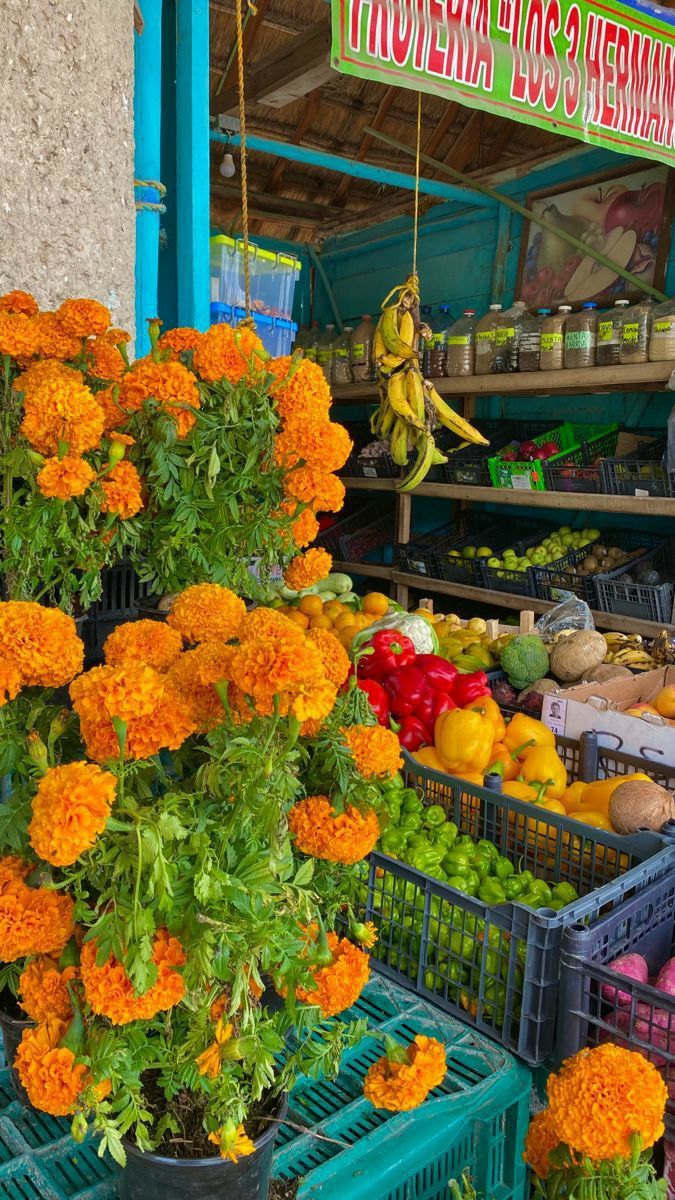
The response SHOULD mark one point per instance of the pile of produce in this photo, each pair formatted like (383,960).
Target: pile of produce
(550,549)
(652,1024)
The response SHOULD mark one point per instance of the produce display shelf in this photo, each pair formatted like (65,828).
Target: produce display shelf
(648,506)
(479,595)
(475,1121)
(651,376)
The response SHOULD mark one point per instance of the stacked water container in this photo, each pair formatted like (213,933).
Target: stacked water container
(272,282)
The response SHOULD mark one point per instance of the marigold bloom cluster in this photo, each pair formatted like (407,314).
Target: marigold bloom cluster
(542,1137)
(207,613)
(58,409)
(228,354)
(307,569)
(19,302)
(151,643)
(333,655)
(114,416)
(324,445)
(194,676)
(170,384)
(323,491)
(49,1072)
(301,393)
(18,335)
(70,810)
(32,920)
(154,716)
(83,318)
(234,1144)
(63,478)
(339,985)
(344,837)
(304,526)
(375,750)
(43,990)
(53,341)
(210,1062)
(401,1085)
(179,339)
(110,993)
(104,360)
(39,643)
(122,491)
(285,666)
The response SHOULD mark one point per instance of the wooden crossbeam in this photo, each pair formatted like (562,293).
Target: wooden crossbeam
(366,142)
(253,23)
(309,114)
(283,205)
(290,72)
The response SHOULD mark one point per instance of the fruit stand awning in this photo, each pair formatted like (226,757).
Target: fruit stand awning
(602,72)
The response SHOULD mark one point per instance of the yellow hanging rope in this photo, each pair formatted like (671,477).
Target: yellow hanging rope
(417,180)
(242,131)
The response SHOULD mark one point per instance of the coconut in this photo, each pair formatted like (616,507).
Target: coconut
(572,657)
(605,672)
(640,804)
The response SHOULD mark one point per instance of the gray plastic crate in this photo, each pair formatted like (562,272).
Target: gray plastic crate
(644,601)
(428,931)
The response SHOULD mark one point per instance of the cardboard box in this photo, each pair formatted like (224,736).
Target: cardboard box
(600,707)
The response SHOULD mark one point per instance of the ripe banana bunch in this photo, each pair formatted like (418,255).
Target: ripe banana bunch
(410,407)
(627,650)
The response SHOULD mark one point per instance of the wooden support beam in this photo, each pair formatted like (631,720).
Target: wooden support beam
(276,23)
(290,72)
(309,114)
(254,20)
(464,145)
(435,139)
(283,205)
(226,215)
(339,196)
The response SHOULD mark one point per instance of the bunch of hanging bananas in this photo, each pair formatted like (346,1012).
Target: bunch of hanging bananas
(410,407)
(627,650)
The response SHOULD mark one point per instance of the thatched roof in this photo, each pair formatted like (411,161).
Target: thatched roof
(331,116)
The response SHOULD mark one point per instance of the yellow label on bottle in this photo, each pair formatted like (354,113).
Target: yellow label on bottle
(505,335)
(458,341)
(605,330)
(631,333)
(550,340)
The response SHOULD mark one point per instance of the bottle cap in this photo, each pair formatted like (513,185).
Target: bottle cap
(495,308)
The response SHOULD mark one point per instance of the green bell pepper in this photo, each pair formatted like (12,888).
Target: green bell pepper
(462,945)
(393,841)
(495,1001)
(530,899)
(411,820)
(473,880)
(395,784)
(463,839)
(488,848)
(527,877)
(491,892)
(446,833)
(459,882)
(556,905)
(503,868)
(434,815)
(417,839)
(565,892)
(513,887)
(426,859)
(410,801)
(480,863)
(456,862)
(541,888)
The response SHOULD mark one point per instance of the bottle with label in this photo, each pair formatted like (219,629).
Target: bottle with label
(301,340)
(436,350)
(581,332)
(459,358)
(662,343)
(486,338)
(425,318)
(636,330)
(507,338)
(609,335)
(324,352)
(362,350)
(552,341)
(530,340)
(342,371)
(311,349)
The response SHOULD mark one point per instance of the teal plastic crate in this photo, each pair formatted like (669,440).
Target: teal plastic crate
(336,1144)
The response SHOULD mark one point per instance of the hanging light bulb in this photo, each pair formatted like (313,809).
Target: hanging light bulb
(227,167)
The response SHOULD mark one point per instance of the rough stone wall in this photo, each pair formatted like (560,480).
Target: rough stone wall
(67,217)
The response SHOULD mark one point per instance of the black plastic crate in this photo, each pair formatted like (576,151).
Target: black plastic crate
(497,968)
(420,556)
(642,472)
(634,1014)
(644,601)
(573,478)
(551,580)
(364,531)
(122,593)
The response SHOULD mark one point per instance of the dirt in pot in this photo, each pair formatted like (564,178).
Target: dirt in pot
(187,1110)
(284,1189)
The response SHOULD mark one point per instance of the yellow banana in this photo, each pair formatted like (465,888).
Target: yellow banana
(438,458)
(396,395)
(398,443)
(379,347)
(448,417)
(414,390)
(423,462)
(387,420)
(388,363)
(388,325)
(406,327)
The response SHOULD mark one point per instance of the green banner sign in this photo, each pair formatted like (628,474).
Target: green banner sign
(601,72)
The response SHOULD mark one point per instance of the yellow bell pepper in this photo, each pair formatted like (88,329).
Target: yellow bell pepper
(427,757)
(523,733)
(543,765)
(464,740)
(489,708)
(597,819)
(521,791)
(596,796)
(572,795)
(502,762)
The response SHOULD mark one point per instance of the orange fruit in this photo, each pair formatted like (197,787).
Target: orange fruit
(346,636)
(333,608)
(311,606)
(376,603)
(346,620)
(361,620)
(321,622)
(299,618)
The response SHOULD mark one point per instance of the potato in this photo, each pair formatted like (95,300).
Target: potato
(605,672)
(572,657)
(640,804)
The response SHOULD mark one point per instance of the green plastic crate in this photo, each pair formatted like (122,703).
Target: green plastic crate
(579,445)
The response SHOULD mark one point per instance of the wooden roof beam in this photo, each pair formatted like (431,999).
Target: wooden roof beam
(283,205)
(308,117)
(290,72)
(254,20)
(366,142)
(464,145)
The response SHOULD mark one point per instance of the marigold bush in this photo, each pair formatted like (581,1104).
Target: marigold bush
(229,354)
(338,985)
(63,478)
(122,491)
(40,643)
(308,569)
(170,384)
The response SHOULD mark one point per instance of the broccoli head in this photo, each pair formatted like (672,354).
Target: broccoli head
(524,659)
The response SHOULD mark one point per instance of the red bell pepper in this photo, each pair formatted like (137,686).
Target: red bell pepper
(390,652)
(413,734)
(470,687)
(377,699)
(438,672)
(405,690)
(442,703)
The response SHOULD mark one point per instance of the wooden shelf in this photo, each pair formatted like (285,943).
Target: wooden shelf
(642,376)
(498,599)
(642,506)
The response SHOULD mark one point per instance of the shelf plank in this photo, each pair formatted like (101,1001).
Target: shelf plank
(649,376)
(647,506)
(498,599)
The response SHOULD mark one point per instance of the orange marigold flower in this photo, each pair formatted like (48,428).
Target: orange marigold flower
(53,341)
(325,492)
(311,728)
(540,1140)
(122,491)
(70,809)
(10,681)
(333,655)
(319,444)
(344,837)
(267,622)
(365,933)
(63,478)
(339,985)
(375,750)
(33,921)
(83,318)
(604,1095)
(226,353)
(307,569)
(49,1072)
(230,1138)
(304,528)
(58,408)
(285,669)
(402,1081)
(170,384)
(113,415)
(155,716)
(19,302)
(18,335)
(210,1062)
(151,643)
(40,643)
(43,990)
(13,870)
(194,676)
(110,993)
(302,395)
(117,335)
(104,360)
(180,339)
(207,612)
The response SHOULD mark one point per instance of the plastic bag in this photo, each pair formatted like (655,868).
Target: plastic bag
(570,614)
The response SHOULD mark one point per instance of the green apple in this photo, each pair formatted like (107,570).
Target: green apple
(468,552)
(593,535)
(454,554)
(494,562)
(564,529)
(483,552)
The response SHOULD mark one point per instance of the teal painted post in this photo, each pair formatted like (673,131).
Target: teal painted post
(192,162)
(147,131)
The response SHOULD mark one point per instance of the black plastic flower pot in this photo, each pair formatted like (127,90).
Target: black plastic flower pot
(153,1177)
(12,1027)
